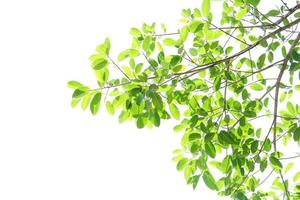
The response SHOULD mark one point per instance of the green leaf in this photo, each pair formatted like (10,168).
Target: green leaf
(74,85)
(225,138)
(267,145)
(146,43)
(175,60)
(102,76)
(217,83)
(249,113)
(174,111)
(178,128)
(228,50)
(288,167)
(282,97)
(75,102)
(184,32)
(209,181)
(273,13)
(95,103)
(210,149)
(297,87)
(195,181)
(261,61)
(194,136)
(239,3)
(213,35)
(109,107)
(107,44)
(239,15)
(78,93)
(275,45)
(157,101)
(163,27)
(291,108)
(140,122)
(196,26)
(100,63)
(205,8)
(169,42)
(270,56)
(135,32)
(123,116)
(295,55)
(240,196)
(257,87)
(155,118)
(253,2)
(296,135)
(104,48)
(177,68)
(85,101)
(128,53)
(181,164)
(263,165)
(254,146)
(275,162)
(296,177)
(283,51)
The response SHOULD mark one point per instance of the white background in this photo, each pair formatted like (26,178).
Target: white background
(50,151)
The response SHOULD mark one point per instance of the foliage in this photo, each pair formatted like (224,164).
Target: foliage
(219,80)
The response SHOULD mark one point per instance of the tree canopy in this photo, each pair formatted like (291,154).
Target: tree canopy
(230,82)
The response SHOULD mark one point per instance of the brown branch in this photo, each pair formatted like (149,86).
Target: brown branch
(291,11)
(288,158)
(266,178)
(277,85)
(284,66)
(115,64)
(230,35)
(212,64)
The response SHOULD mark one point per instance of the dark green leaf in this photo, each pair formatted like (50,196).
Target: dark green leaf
(217,83)
(295,55)
(261,61)
(95,103)
(253,2)
(210,149)
(194,136)
(275,162)
(78,93)
(273,13)
(209,181)
(175,60)
(296,135)
(100,63)
(140,122)
(155,118)
(225,138)
(157,101)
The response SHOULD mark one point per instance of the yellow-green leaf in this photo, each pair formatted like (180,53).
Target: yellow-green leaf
(95,103)
(174,111)
(205,8)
